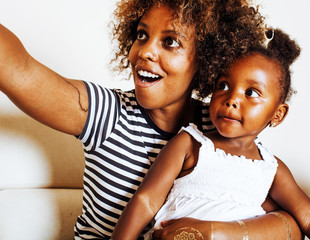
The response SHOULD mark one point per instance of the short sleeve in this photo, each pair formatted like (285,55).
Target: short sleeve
(103,113)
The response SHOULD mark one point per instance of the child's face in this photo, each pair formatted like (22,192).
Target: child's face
(163,60)
(246,99)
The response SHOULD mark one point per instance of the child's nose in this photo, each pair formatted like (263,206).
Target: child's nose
(149,51)
(232,102)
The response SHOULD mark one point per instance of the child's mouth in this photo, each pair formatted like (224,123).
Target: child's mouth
(146,76)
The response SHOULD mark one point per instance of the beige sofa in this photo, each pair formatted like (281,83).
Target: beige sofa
(40,183)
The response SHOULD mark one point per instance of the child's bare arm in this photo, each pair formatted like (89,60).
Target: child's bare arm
(154,188)
(40,92)
(289,196)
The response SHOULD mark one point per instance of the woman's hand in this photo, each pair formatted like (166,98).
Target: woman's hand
(180,227)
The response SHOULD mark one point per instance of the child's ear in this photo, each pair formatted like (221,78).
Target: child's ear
(279,115)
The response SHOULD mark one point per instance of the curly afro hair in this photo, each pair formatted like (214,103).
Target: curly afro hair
(283,51)
(224,29)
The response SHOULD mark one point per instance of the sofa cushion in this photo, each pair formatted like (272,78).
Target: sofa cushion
(39,214)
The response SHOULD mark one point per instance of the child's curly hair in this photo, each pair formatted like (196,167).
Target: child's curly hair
(224,29)
(284,51)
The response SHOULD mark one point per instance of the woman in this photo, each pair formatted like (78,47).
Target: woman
(122,132)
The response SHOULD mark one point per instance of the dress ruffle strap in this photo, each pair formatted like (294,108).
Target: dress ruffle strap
(196,133)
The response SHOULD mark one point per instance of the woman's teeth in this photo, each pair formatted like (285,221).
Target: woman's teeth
(146,74)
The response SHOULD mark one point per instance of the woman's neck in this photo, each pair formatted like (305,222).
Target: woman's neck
(171,119)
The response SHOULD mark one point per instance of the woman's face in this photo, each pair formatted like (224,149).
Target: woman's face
(163,60)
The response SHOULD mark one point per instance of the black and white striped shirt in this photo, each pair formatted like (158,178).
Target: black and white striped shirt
(120,143)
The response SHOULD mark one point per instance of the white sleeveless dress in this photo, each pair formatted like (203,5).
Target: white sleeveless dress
(222,187)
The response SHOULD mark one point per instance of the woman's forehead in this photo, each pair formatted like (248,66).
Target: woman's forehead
(165,16)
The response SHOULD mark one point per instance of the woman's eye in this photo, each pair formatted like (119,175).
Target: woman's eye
(223,86)
(171,42)
(252,93)
(141,35)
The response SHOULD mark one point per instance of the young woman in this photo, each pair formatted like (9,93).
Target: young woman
(170,46)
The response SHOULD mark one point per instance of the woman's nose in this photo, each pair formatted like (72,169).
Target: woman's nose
(149,51)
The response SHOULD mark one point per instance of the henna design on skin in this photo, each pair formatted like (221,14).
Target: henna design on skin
(188,233)
(287,224)
(245,233)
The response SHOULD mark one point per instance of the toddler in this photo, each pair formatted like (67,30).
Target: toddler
(225,175)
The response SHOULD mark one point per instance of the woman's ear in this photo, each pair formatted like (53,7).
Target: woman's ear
(279,115)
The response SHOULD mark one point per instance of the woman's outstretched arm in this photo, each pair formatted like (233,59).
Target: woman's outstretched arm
(37,90)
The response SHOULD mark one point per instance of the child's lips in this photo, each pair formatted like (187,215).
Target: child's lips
(229,115)
(229,119)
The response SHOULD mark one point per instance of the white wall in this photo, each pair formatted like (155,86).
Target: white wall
(291,139)
(70,36)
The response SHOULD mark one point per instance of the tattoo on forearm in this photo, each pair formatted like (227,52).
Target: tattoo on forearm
(188,233)
(211,231)
(287,224)
(245,232)
(79,94)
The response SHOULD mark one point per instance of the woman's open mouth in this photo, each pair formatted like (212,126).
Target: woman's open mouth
(146,76)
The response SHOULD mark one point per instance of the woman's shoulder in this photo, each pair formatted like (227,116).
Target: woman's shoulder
(101,94)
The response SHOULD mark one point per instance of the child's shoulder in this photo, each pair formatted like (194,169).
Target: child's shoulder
(281,165)
(184,137)
(191,135)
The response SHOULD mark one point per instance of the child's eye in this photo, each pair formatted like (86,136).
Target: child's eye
(223,86)
(141,35)
(171,42)
(252,93)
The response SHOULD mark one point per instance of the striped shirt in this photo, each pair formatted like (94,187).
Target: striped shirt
(120,143)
